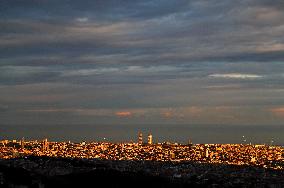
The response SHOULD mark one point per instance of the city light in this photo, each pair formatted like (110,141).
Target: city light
(267,156)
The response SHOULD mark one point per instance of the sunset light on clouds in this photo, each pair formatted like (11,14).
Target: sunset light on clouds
(123,114)
(278,111)
(141,63)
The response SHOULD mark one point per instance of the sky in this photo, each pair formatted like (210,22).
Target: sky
(98,62)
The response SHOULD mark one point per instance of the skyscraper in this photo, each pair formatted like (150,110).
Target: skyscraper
(189,142)
(45,145)
(150,139)
(23,143)
(140,138)
(206,152)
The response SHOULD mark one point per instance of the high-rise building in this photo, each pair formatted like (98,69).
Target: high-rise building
(45,145)
(206,152)
(189,142)
(150,139)
(140,138)
(23,143)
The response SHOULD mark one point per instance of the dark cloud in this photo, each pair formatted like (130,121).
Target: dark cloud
(91,55)
(192,30)
(112,10)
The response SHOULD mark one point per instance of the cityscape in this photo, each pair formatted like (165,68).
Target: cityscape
(266,156)
(142,93)
(201,165)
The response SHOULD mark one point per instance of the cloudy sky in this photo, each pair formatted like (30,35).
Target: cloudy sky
(147,62)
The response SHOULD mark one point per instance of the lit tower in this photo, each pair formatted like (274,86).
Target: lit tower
(140,139)
(206,152)
(45,145)
(189,142)
(150,139)
(23,143)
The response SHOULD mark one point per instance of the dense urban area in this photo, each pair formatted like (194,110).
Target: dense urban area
(266,156)
(207,165)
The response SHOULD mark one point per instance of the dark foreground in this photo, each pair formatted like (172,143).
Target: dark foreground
(55,172)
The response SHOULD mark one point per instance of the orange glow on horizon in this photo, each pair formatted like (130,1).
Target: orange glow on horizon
(123,114)
(167,114)
(278,111)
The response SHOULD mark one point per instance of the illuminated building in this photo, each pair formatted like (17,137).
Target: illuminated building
(189,142)
(150,139)
(45,145)
(22,143)
(140,138)
(207,153)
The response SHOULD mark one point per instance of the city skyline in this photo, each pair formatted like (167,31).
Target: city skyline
(198,134)
(236,154)
(140,140)
(72,69)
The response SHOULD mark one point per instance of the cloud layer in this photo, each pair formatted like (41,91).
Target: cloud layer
(236,76)
(203,62)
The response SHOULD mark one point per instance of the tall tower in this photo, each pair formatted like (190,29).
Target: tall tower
(189,142)
(150,139)
(45,145)
(140,139)
(23,143)
(206,152)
